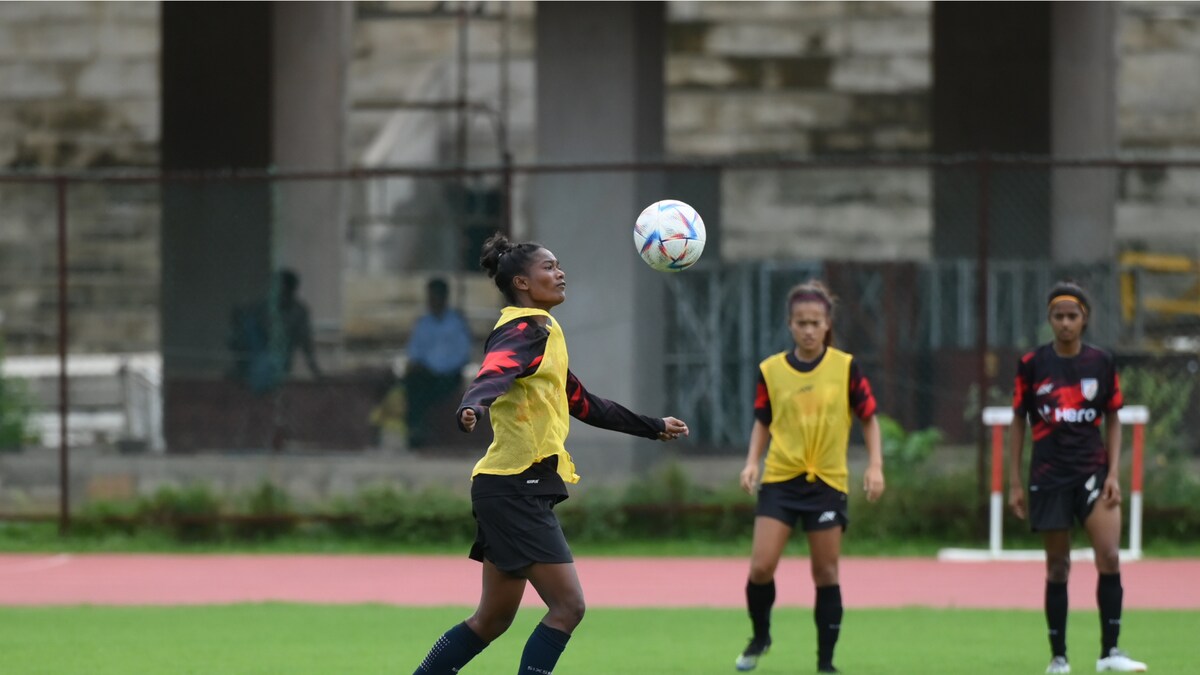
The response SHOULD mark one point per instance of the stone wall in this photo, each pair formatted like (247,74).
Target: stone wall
(79,89)
(79,84)
(1159,113)
(802,79)
(798,78)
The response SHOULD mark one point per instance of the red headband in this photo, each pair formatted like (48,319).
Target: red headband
(811,296)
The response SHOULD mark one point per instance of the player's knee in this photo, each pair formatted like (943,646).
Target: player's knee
(762,572)
(825,575)
(1108,560)
(569,613)
(490,626)
(1058,568)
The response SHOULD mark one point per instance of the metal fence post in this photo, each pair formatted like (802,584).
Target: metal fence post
(64,482)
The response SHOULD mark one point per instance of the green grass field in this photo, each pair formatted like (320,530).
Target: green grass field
(297,639)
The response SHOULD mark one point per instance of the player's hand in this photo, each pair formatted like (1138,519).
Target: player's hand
(467,419)
(674,429)
(1111,493)
(873,483)
(1016,501)
(749,478)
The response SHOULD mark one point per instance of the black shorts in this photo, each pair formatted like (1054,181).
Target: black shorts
(816,505)
(515,531)
(1056,509)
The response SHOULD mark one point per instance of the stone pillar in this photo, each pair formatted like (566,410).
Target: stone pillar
(991,94)
(246,86)
(600,99)
(310,67)
(1084,110)
(216,115)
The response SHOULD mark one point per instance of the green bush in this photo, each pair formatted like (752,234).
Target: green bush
(384,513)
(188,514)
(1168,396)
(904,450)
(264,513)
(16,409)
(596,517)
(919,505)
(667,504)
(106,518)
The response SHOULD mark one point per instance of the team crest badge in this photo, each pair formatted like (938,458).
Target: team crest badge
(1089,387)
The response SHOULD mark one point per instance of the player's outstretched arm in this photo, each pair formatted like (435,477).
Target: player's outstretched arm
(605,414)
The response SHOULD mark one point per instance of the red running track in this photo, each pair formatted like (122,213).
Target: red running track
(102,579)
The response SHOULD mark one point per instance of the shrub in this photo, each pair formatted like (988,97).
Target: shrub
(190,514)
(667,504)
(104,518)
(267,512)
(597,517)
(904,450)
(1169,397)
(929,506)
(382,512)
(16,409)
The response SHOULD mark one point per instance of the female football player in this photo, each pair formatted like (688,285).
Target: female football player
(805,402)
(525,383)
(1065,388)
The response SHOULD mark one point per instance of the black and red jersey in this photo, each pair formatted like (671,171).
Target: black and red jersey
(515,350)
(1064,399)
(862,401)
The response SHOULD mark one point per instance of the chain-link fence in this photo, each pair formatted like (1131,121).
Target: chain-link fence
(283,313)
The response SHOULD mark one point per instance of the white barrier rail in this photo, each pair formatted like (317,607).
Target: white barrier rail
(998,419)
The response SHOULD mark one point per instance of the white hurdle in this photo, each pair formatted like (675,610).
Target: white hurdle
(998,419)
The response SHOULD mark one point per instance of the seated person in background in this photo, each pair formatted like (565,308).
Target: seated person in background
(438,349)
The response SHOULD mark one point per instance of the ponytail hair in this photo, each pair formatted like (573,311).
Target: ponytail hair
(814,290)
(503,260)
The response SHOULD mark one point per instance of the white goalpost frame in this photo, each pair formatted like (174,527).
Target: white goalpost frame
(998,419)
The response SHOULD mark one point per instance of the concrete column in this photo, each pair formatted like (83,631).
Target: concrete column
(1084,105)
(991,94)
(215,235)
(310,66)
(246,86)
(600,99)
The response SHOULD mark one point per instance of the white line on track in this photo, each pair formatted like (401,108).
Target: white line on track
(36,565)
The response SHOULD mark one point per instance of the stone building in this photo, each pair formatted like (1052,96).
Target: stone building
(81,90)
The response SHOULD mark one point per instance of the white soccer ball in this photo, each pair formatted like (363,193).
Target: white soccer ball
(669,235)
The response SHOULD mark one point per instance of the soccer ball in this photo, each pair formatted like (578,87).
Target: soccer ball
(669,235)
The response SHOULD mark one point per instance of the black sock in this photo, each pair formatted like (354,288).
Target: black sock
(451,652)
(1056,616)
(1109,595)
(759,600)
(542,650)
(827,613)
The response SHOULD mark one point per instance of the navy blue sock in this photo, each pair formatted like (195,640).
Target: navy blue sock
(827,612)
(1056,616)
(451,652)
(759,599)
(1109,595)
(542,650)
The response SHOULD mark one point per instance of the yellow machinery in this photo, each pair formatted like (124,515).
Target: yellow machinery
(1134,301)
